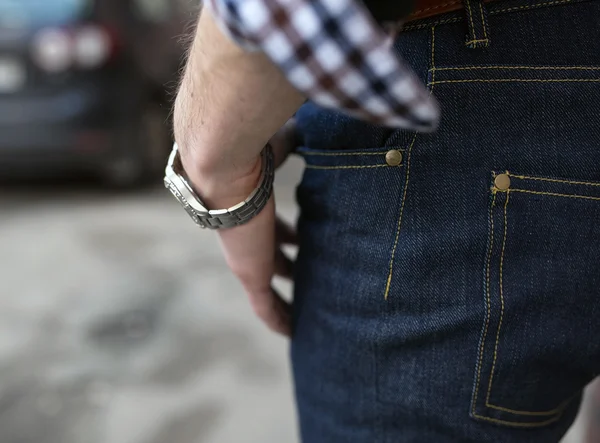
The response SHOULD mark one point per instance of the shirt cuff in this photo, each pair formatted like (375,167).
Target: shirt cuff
(335,53)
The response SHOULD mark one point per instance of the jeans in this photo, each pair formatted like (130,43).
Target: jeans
(448,284)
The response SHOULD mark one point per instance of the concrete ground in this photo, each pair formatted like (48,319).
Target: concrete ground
(119,323)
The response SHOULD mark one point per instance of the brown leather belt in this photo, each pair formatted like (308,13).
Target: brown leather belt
(429,8)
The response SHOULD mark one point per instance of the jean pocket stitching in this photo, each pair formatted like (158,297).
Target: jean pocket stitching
(417,26)
(518,80)
(554,194)
(534,68)
(490,247)
(556,180)
(335,160)
(533,6)
(388,282)
(518,423)
(556,412)
(501,292)
(351,167)
(335,154)
(553,414)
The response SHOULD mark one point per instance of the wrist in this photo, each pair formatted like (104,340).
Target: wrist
(223,184)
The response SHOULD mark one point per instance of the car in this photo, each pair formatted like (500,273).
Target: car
(81,91)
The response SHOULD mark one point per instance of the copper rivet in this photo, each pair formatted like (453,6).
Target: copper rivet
(393,157)
(502,182)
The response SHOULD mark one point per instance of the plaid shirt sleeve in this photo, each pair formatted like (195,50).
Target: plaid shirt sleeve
(335,53)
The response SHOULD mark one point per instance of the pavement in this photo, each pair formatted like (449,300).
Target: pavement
(119,323)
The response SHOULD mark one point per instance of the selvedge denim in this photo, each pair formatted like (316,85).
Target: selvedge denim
(434,301)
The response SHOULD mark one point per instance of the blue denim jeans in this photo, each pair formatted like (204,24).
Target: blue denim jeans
(455,297)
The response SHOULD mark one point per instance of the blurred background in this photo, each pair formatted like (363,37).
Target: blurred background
(119,322)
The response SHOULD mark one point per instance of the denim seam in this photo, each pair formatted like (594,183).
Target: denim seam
(521,80)
(545,68)
(399,225)
(557,412)
(518,423)
(350,167)
(434,24)
(474,39)
(487,398)
(406,181)
(472,32)
(491,12)
(488,304)
(537,5)
(555,180)
(483,21)
(332,154)
(556,194)
(561,407)
(478,40)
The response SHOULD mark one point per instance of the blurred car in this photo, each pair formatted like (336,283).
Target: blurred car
(80,89)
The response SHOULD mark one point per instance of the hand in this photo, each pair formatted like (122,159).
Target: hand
(229,103)
(253,251)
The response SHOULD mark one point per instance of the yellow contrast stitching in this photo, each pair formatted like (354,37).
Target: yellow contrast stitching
(487,399)
(529,80)
(470,14)
(427,25)
(432,55)
(382,153)
(555,180)
(470,68)
(406,181)
(489,309)
(391,270)
(483,24)
(537,5)
(518,424)
(349,167)
(492,12)
(557,410)
(555,194)
(477,41)
(561,407)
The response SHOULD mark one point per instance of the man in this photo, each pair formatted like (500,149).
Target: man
(447,284)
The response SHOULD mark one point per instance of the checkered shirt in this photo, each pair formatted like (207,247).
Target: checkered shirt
(335,53)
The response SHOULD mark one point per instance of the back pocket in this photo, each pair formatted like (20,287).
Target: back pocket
(541,285)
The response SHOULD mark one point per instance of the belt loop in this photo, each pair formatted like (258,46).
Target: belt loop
(479,34)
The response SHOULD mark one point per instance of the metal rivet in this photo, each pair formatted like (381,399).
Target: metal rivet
(393,157)
(502,182)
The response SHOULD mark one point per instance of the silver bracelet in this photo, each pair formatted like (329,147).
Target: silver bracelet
(176,181)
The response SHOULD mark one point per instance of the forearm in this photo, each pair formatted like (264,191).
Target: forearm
(229,104)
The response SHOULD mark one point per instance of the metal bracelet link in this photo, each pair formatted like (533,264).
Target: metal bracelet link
(221,218)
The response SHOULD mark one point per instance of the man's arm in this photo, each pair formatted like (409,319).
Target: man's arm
(229,105)
(231,102)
